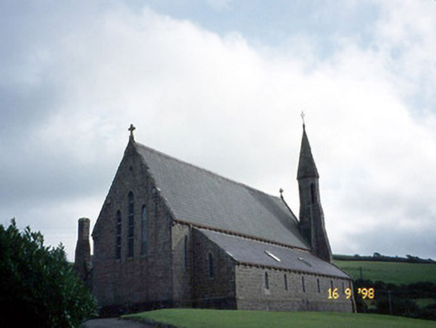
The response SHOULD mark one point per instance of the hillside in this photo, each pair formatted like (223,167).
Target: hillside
(389,272)
(405,287)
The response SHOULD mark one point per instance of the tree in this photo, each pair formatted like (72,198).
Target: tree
(38,286)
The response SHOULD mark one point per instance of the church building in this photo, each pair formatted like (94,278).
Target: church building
(171,234)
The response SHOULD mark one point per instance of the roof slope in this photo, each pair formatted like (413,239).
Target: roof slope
(206,199)
(248,251)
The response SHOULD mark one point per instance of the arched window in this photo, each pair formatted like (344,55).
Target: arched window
(266,281)
(131,231)
(211,266)
(144,230)
(313,193)
(303,285)
(286,281)
(186,250)
(319,287)
(118,236)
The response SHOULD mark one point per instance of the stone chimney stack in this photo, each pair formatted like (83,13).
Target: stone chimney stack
(82,262)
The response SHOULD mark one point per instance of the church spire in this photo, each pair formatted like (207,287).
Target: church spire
(306,164)
(311,223)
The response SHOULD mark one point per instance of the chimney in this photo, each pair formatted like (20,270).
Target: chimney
(82,260)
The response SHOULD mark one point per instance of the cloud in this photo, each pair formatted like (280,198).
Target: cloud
(405,37)
(226,104)
(219,4)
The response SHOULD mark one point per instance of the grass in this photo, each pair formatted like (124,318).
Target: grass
(423,302)
(196,318)
(390,272)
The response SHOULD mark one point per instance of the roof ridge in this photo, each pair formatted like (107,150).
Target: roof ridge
(203,170)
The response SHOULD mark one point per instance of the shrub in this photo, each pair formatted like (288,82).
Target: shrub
(38,284)
(428,312)
(398,306)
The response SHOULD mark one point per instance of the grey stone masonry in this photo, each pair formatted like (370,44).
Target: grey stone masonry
(182,266)
(146,276)
(269,289)
(82,260)
(214,275)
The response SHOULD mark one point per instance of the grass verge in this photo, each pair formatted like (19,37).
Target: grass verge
(196,318)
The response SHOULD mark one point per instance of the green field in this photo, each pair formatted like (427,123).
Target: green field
(195,318)
(390,272)
(423,302)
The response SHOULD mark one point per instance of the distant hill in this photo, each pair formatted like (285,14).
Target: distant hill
(389,272)
(395,270)
(377,257)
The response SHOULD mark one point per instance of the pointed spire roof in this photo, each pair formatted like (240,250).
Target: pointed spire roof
(306,165)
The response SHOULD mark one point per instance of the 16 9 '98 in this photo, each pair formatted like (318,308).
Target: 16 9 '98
(363,292)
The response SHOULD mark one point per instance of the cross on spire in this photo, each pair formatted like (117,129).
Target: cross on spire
(302,117)
(131,129)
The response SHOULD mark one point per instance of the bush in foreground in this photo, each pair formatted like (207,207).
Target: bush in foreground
(38,286)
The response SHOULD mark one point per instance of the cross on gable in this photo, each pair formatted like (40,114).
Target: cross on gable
(131,129)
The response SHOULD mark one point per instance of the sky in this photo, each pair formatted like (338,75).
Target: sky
(221,84)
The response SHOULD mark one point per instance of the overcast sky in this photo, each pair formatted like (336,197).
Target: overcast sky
(221,84)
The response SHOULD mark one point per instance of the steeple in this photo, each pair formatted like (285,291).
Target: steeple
(311,223)
(306,165)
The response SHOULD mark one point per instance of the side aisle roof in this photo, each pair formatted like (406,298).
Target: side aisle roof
(254,252)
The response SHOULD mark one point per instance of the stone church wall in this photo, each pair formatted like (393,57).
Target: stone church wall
(145,278)
(214,289)
(182,265)
(287,294)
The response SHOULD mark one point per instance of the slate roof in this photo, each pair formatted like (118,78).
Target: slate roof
(205,199)
(254,252)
